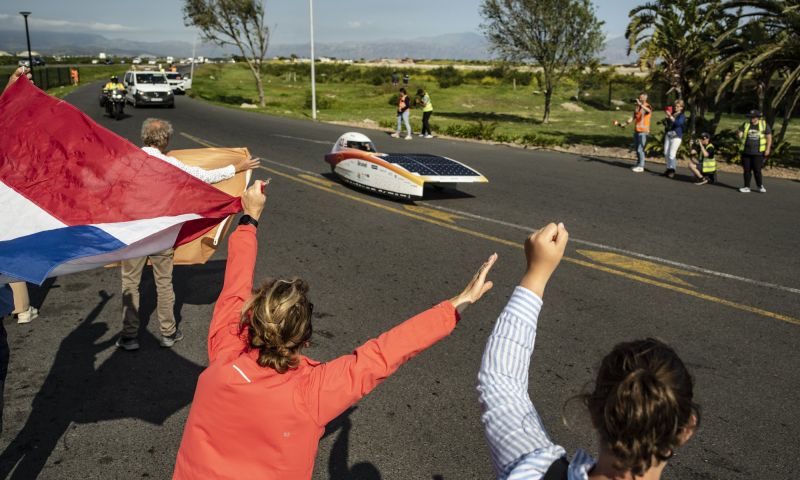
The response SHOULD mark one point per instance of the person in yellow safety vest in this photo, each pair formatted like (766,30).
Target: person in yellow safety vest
(113,84)
(641,115)
(756,138)
(704,168)
(427,111)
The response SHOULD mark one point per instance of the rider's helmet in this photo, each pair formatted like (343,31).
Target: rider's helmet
(114,78)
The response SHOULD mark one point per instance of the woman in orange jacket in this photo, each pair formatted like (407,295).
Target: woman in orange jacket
(261,406)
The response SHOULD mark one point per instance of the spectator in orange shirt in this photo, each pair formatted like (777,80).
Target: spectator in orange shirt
(641,115)
(261,406)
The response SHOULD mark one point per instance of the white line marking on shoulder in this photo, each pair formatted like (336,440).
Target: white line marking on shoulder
(241,373)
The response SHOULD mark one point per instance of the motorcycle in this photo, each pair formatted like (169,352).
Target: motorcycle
(115,103)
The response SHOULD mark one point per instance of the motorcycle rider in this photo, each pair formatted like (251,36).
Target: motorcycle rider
(113,84)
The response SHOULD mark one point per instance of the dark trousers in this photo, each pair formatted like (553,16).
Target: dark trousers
(426,126)
(752,166)
(4,356)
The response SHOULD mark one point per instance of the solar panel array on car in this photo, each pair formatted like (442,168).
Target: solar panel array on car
(424,164)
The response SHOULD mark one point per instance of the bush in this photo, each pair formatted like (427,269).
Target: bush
(323,102)
(447,77)
(377,80)
(488,81)
(479,130)
(542,140)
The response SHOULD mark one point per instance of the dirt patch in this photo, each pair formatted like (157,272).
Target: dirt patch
(571,107)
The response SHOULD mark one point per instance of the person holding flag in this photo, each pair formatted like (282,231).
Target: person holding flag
(156,134)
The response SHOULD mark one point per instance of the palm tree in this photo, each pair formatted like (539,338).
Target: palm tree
(769,42)
(676,37)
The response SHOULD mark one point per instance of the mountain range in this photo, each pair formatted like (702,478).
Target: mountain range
(459,46)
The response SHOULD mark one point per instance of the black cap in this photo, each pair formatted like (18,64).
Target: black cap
(754,114)
(705,135)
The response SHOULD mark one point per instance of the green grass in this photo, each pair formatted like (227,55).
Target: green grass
(512,113)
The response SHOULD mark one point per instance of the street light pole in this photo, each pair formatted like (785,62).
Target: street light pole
(313,78)
(28,36)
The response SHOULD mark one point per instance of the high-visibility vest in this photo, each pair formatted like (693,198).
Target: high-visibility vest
(643,119)
(709,164)
(114,86)
(429,105)
(762,137)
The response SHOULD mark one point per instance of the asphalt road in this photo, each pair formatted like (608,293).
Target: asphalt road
(708,270)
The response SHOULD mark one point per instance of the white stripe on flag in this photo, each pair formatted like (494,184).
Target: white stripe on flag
(23,217)
(137,230)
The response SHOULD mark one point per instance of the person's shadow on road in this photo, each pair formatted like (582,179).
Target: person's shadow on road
(338,465)
(151,385)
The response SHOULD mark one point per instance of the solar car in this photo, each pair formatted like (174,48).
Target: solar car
(355,160)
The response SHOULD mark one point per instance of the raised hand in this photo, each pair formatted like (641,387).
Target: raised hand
(543,251)
(245,164)
(254,199)
(19,73)
(476,287)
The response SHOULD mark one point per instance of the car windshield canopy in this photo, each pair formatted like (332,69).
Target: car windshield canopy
(174,76)
(364,146)
(154,78)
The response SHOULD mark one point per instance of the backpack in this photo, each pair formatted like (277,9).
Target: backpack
(558,470)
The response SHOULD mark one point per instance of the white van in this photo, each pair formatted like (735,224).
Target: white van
(148,88)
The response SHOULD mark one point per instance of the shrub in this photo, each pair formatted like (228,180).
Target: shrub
(489,81)
(447,76)
(479,130)
(377,80)
(542,140)
(323,102)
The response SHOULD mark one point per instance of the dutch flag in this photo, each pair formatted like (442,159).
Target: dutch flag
(75,196)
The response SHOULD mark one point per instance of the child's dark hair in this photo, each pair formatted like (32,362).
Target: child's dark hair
(642,402)
(402,90)
(277,319)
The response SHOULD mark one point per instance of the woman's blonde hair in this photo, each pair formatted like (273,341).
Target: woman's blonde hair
(679,103)
(278,322)
(641,403)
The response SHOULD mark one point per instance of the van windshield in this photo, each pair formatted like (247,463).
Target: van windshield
(174,76)
(154,78)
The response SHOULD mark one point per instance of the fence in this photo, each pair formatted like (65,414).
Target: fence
(43,77)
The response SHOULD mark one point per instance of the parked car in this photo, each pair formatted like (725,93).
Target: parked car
(37,61)
(136,61)
(148,87)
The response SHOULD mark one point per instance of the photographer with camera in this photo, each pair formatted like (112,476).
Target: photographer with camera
(703,168)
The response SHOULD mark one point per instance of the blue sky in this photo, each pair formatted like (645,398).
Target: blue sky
(335,20)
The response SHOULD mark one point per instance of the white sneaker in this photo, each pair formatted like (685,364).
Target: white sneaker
(409,137)
(428,136)
(396,135)
(27,316)
(637,169)
(745,190)
(762,189)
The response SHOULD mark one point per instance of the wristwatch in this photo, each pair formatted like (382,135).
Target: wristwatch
(248,220)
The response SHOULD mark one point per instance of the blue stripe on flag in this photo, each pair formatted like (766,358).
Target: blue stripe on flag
(32,257)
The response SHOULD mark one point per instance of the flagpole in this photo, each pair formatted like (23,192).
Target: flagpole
(313,78)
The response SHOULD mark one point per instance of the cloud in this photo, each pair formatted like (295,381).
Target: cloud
(66,25)
(354,24)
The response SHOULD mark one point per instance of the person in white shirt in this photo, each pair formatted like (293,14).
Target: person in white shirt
(641,406)
(156,134)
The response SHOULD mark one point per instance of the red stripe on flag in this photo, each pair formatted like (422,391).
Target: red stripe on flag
(82,173)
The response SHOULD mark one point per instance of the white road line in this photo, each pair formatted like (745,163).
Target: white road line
(621,250)
(301,139)
(609,248)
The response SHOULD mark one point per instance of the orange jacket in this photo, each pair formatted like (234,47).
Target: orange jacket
(642,118)
(248,421)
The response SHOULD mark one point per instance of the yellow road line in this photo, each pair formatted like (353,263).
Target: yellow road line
(518,244)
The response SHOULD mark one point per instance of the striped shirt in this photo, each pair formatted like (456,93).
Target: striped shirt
(519,444)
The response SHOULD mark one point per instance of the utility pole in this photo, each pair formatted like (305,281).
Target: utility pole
(191,69)
(28,36)
(313,78)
